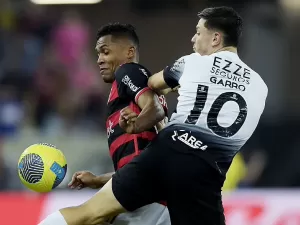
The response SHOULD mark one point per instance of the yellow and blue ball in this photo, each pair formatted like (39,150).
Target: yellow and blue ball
(42,167)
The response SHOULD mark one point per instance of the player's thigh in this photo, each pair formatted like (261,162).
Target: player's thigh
(153,214)
(104,203)
(192,184)
(183,159)
(196,211)
(137,184)
(191,195)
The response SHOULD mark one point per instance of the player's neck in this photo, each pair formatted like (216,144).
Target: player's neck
(228,49)
(132,61)
(135,60)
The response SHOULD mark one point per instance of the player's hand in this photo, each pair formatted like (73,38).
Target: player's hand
(128,114)
(127,125)
(127,120)
(83,179)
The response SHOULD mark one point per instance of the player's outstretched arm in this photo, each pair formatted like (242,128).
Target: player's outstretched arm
(167,80)
(84,179)
(158,84)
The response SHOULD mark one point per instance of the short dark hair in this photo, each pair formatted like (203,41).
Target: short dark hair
(119,30)
(225,19)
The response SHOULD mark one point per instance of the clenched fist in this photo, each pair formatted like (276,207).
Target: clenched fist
(127,120)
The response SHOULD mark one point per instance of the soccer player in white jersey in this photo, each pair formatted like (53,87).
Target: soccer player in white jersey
(219,106)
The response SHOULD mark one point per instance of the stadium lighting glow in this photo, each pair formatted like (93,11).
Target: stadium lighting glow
(63,2)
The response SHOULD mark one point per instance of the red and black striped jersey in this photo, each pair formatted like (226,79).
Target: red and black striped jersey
(131,80)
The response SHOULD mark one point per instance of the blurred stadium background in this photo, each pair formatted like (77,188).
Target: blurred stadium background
(50,92)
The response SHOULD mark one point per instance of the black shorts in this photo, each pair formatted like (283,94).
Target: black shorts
(173,168)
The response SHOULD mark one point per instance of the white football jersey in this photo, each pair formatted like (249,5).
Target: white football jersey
(220,94)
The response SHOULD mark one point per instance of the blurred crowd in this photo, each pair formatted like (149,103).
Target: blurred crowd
(48,76)
(49,80)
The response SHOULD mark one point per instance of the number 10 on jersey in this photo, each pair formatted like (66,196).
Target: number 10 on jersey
(215,109)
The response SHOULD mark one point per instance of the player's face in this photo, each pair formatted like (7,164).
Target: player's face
(205,41)
(111,54)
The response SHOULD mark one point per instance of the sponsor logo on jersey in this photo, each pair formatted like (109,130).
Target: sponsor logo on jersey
(188,139)
(229,74)
(126,80)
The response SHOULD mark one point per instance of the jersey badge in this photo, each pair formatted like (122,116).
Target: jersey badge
(144,72)
(109,128)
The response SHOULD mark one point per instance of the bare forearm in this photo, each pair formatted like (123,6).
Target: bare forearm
(103,179)
(149,117)
(165,91)
(161,125)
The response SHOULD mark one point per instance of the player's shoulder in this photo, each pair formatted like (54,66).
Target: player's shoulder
(185,60)
(256,77)
(189,57)
(196,59)
(132,68)
(131,65)
(263,87)
(234,58)
(258,82)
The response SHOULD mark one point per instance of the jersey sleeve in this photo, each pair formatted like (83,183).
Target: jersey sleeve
(173,72)
(132,81)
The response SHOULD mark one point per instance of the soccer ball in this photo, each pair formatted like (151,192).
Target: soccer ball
(42,167)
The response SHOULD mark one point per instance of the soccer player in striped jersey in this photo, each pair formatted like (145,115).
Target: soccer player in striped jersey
(118,54)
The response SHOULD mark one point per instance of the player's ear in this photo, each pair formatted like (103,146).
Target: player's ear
(217,39)
(131,52)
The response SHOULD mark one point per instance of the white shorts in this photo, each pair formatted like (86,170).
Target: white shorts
(154,214)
